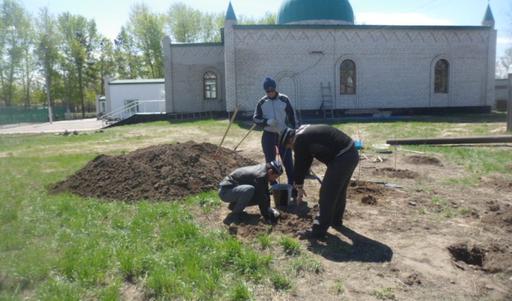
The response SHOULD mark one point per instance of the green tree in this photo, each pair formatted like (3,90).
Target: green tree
(80,40)
(125,55)
(211,25)
(147,29)
(105,63)
(15,23)
(47,40)
(185,23)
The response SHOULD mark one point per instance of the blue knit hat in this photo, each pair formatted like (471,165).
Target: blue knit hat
(269,84)
(276,167)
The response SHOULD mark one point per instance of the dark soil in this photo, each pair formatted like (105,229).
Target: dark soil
(162,173)
(472,255)
(369,200)
(493,258)
(396,173)
(296,219)
(291,222)
(424,160)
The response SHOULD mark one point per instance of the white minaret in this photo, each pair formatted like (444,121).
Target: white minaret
(229,58)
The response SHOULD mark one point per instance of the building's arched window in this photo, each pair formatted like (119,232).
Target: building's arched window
(348,77)
(442,74)
(210,85)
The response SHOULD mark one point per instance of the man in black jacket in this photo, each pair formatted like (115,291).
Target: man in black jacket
(336,150)
(248,186)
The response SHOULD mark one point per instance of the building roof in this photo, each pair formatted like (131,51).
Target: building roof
(230,14)
(297,11)
(137,81)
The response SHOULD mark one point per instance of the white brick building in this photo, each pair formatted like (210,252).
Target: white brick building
(316,43)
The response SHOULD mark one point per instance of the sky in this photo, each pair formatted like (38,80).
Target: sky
(110,15)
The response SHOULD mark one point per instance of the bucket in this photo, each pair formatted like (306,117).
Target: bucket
(282,194)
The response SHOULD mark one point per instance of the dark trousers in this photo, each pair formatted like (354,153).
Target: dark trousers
(333,192)
(269,142)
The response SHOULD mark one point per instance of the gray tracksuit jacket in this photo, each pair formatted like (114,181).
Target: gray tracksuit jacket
(278,109)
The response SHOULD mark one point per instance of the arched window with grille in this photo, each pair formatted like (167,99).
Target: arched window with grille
(348,77)
(210,85)
(442,75)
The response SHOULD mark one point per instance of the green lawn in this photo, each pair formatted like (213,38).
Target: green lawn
(63,247)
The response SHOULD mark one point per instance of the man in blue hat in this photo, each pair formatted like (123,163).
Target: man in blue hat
(249,186)
(274,113)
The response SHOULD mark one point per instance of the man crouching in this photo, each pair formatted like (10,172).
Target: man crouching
(249,186)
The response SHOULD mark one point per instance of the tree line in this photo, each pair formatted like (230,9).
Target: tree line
(67,53)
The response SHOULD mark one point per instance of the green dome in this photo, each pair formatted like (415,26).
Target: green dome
(307,11)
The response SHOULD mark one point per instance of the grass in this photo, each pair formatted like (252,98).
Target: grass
(384,294)
(290,245)
(64,247)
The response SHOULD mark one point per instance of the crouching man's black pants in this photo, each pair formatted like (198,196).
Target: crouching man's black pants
(333,192)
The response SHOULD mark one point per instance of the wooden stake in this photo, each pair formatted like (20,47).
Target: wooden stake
(227,130)
(246,135)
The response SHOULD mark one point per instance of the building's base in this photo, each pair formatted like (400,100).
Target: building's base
(313,115)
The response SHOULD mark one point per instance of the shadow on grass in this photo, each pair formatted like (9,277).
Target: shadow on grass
(363,249)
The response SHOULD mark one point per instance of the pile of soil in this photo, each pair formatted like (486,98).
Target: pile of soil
(163,173)
(493,258)
(366,192)
(423,160)
(396,173)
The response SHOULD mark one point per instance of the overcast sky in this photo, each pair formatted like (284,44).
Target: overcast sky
(110,15)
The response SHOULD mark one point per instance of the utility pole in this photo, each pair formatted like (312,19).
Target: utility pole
(509,103)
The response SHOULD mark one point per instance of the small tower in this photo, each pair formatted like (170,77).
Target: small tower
(229,58)
(230,14)
(488,18)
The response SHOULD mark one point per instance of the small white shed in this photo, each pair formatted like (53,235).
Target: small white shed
(126,97)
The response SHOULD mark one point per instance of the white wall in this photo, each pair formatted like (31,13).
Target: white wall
(119,93)
(394,65)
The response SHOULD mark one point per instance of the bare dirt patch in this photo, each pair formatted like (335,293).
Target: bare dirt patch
(497,182)
(423,160)
(164,172)
(396,173)
(499,215)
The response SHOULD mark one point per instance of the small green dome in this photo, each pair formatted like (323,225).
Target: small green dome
(305,11)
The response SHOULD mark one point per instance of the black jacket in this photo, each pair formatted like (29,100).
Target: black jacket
(321,142)
(256,176)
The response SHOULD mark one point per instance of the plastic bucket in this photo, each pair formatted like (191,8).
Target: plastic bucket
(282,194)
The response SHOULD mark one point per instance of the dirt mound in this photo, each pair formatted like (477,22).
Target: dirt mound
(424,160)
(290,222)
(396,173)
(164,172)
(493,258)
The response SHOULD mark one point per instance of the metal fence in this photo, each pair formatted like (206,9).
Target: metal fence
(11,115)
